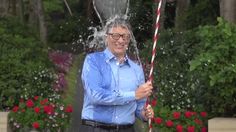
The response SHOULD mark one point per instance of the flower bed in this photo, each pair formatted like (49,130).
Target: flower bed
(181,121)
(45,112)
(40,113)
(169,120)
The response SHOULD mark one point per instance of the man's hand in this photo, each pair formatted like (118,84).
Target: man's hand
(144,90)
(148,112)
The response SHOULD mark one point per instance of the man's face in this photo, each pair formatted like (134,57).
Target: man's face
(118,40)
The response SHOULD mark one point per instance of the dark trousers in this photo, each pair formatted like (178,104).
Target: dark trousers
(86,128)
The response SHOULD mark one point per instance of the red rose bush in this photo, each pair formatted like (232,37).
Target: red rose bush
(167,120)
(40,114)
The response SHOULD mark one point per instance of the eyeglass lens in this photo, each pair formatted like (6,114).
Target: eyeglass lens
(116,36)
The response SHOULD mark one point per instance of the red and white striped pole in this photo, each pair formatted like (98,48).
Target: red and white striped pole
(155,38)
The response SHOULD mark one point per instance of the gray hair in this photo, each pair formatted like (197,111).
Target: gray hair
(117,22)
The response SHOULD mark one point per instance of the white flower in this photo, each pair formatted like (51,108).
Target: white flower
(14,123)
(61,108)
(188,100)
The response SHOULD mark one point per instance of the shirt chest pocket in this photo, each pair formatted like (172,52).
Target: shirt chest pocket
(128,80)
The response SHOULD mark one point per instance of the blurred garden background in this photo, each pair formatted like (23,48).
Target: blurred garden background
(43,44)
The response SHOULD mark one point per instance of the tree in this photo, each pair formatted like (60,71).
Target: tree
(36,18)
(228,10)
(42,22)
(4,7)
(181,8)
(11,7)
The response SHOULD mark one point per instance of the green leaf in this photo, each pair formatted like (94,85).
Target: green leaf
(194,64)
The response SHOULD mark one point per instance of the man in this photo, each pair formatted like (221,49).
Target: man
(115,91)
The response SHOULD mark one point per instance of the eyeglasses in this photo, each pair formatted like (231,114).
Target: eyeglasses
(116,36)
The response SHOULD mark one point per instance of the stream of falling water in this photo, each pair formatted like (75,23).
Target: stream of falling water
(107,11)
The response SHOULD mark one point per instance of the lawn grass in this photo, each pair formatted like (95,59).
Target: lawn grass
(72,79)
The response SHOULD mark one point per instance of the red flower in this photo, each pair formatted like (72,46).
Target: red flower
(23,110)
(29,103)
(43,102)
(35,125)
(179,128)
(176,115)
(37,109)
(48,109)
(69,109)
(188,114)
(194,113)
(197,121)
(203,114)
(21,100)
(36,97)
(190,128)
(158,120)
(204,129)
(154,102)
(15,108)
(169,123)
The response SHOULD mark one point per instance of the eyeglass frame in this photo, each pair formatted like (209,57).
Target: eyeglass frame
(125,37)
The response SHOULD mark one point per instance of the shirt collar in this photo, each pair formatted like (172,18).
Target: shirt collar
(110,56)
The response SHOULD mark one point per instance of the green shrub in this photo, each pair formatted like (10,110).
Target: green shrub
(215,65)
(195,70)
(69,34)
(175,86)
(24,65)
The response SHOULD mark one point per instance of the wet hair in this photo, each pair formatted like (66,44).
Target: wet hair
(117,22)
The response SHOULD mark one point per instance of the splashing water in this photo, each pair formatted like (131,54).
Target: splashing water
(116,9)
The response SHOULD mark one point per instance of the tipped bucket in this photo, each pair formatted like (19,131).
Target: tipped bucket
(107,9)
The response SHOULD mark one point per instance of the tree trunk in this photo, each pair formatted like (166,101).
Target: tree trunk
(42,22)
(4,5)
(32,10)
(11,7)
(19,10)
(162,16)
(36,18)
(181,8)
(228,10)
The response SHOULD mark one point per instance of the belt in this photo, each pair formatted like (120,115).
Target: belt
(105,125)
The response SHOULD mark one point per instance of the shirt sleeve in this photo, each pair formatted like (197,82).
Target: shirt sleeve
(92,82)
(140,103)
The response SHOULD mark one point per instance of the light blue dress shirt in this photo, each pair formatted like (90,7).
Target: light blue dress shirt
(109,89)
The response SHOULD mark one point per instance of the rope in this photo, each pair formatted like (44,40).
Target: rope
(155,39)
